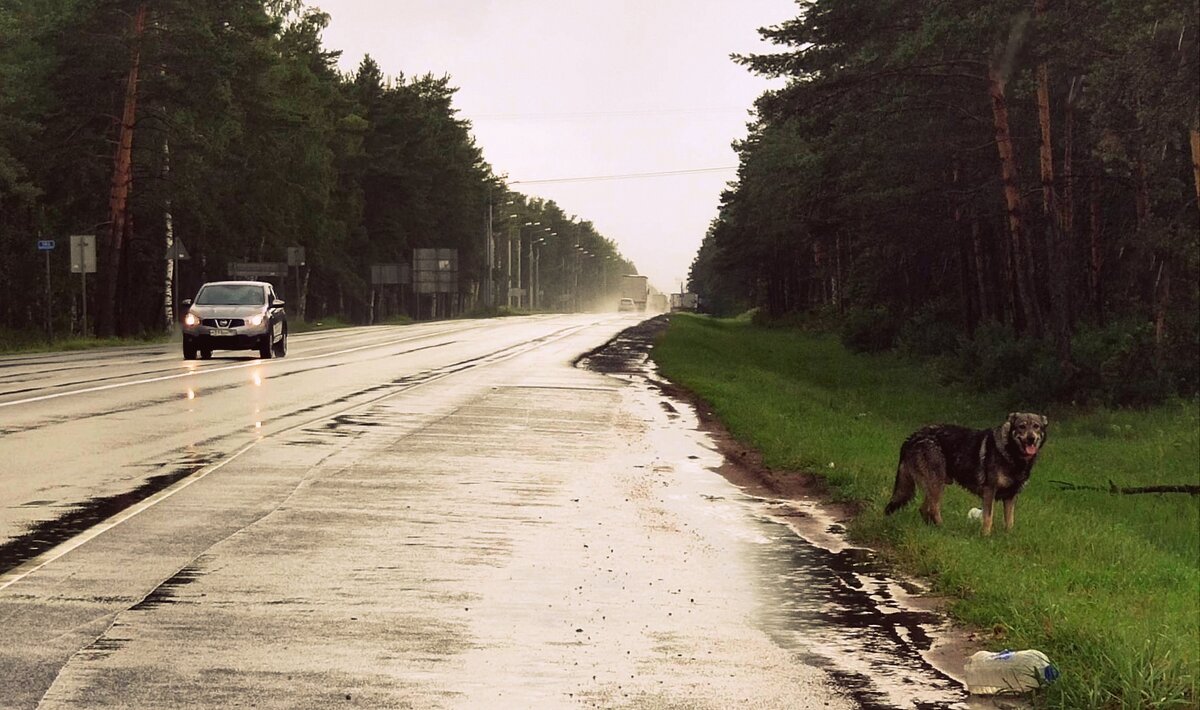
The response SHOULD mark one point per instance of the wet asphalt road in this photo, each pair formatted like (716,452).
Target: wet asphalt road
(442,515)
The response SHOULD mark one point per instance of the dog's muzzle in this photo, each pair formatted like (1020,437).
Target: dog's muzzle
(1029,447)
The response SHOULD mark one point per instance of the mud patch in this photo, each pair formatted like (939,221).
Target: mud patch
(628,352)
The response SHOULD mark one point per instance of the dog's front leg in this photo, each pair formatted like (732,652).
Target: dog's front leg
(989,498)
(1010,513)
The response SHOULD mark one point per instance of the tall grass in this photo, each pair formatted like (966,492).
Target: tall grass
(1107,585)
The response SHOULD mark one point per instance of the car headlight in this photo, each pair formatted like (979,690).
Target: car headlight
(190,319)
(255,320)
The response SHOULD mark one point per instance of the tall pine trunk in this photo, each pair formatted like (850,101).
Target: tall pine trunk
(1196,157)
(1050,211)
(1025,303)
(1096,254)
(122,180)
(985,311)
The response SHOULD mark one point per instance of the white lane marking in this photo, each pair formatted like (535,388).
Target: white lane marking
(207,370)
(22,571)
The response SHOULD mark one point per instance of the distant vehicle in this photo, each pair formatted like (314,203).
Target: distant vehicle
(684,302)
(235,315)
(626,305)
(636,288)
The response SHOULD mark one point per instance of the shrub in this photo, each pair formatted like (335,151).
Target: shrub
(1116,365)
(1025,370)
(929,334)
(869,330)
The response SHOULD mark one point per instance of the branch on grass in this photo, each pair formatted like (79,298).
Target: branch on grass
(1127,490)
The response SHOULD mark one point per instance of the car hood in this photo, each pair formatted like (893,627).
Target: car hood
(226,311)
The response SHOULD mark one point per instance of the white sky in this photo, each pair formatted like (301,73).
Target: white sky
(580,88)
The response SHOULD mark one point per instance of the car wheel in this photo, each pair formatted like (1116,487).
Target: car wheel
(281,346)
(189,349)
(206,354)
(264,349)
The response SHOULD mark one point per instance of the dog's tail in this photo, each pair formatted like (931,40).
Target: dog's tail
(903,490)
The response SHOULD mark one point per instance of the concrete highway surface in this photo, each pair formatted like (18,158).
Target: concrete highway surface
(448,514)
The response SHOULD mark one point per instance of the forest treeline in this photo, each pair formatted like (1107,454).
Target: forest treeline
(1010,185)
(226,125)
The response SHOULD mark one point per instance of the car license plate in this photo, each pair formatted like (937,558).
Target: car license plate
(223,331)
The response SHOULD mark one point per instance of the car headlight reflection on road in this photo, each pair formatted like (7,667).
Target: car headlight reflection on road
(190,319)
(255,320)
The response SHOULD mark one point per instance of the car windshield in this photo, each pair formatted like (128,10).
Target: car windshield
(230,295)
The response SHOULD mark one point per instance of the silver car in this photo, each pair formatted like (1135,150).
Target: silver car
(234,315)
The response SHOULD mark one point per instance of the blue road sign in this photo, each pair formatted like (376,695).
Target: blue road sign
(45,245)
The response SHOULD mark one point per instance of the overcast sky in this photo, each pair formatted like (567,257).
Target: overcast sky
(581,88)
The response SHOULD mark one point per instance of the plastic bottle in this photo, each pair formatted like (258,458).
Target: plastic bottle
(975,514)
(1008,672)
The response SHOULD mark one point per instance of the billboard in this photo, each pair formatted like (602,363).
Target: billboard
(435,270)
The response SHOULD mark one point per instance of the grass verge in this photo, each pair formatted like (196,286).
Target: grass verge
(18,341)
(299,326)
(1107,585)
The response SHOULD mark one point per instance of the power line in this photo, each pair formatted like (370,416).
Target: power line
(626,176)
(571,115)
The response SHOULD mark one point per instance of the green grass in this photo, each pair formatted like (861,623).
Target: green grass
(1107,585)
(21,341)
(330,323)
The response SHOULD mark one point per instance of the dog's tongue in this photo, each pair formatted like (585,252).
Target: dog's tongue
(1030,450)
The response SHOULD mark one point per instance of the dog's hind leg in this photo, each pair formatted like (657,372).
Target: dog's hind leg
(931,475)
(903,489)
(931,507)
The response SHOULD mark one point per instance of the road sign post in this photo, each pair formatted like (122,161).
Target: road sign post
(295,257)
(47,246)
(83,262)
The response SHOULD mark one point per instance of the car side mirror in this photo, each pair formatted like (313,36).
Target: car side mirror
(277,303)
(186,302)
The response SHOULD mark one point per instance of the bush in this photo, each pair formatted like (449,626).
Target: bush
(1024,370)
(929,334)
(869,330)
(1116,365)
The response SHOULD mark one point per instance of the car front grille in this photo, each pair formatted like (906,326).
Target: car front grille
(223,322)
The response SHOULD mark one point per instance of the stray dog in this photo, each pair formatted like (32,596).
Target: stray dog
(994,464)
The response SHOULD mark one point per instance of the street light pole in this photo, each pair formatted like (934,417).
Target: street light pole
(488,245)
(508,282)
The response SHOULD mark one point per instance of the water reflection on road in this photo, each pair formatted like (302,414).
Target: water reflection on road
(830,603)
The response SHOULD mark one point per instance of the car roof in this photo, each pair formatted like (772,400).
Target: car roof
(236,283)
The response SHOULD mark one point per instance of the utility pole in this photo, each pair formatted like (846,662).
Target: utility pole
(488,246)
(508,269)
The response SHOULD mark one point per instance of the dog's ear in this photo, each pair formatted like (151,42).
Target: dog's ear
(1006,428)
(1045,421)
